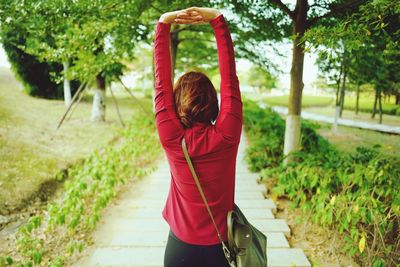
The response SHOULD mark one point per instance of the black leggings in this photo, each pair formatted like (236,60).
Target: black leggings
(181,254)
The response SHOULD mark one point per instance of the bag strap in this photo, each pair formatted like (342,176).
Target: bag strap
(196,179)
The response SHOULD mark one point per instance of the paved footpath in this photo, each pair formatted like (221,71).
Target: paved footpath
(133,233)
(346,122)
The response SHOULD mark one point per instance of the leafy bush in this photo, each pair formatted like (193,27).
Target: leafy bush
(36,77)
(358,194)
(265,148)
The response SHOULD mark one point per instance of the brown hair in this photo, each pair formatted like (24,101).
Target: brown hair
(195,99)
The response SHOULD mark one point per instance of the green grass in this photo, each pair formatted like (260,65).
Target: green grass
(390,120)
(365,104)
(308,101)
(32,151)
(348,138)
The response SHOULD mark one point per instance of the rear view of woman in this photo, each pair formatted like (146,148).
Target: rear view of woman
(189,110)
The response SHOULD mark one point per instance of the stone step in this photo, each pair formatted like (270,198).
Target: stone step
(271,225)
(245,204)
(249,195)
(283,257)
(150,225)
(258,214)
(242,203)
(165,182)
(256,193)
(155,212)
(159,239)
(154,256)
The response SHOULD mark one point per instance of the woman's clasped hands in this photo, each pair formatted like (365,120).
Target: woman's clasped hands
(191,15)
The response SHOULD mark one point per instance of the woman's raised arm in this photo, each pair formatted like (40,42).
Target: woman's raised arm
(168,125)
(229,121)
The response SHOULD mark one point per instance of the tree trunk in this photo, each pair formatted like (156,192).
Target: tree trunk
(293,123)
(343,92)
(380,106)
(375,102)
(337,100)
(174,41)
(398,99)
(99,104)
(67,85)
(357,98)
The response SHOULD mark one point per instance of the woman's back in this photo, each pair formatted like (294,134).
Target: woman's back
(214,162)
(212,148)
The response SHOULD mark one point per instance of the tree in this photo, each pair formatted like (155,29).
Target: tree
(192,46)
(275,21)
(373,32)
(95,37)
(261,79)
(360,71)
(38,77)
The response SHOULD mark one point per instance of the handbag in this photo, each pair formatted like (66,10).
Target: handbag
(247,246)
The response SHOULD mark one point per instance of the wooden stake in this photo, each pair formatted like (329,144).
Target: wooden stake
(126,88)
(116,106)
(83,85)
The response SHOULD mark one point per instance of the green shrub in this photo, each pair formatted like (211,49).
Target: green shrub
(358,194)
(37,77)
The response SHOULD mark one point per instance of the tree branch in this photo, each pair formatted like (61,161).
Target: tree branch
(336,9)
(192,29)
(316,4)
(156,8)
(283,7)
(196,39)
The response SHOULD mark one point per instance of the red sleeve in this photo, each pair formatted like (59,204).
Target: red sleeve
(229,120)
(168,124)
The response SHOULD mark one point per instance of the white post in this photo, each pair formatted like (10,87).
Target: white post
(292,135)
(99,107)
(335,122)
(67,86)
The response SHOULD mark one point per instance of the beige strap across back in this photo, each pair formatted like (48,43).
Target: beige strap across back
(196,179)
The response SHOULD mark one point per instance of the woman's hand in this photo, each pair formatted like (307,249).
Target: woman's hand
(206,13)
(181,17)
(191,15)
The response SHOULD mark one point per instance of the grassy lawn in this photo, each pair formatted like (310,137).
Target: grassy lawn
(362,116)
(32,151)
(348,139)
(366,104)
(324,105)
(308,101)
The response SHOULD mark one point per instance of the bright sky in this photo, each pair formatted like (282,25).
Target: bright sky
(309,73)
(3,58)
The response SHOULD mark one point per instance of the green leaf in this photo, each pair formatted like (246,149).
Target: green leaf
(9,260)
(37,257)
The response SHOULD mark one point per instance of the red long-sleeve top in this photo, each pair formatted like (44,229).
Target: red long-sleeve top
(212,147)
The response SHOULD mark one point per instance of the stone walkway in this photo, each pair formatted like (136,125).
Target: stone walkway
(346,122)
(133,233)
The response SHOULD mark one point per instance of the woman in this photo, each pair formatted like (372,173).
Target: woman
(189,110)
